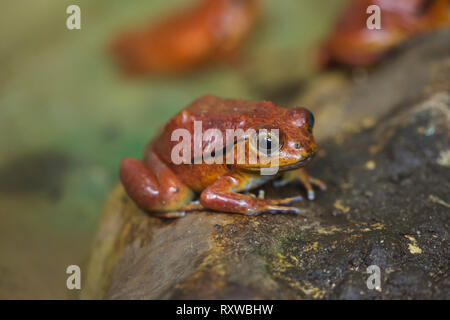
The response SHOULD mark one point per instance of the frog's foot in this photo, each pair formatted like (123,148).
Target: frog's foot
(181,212)
(277,206)
(169,215)
(302,176)
(309,182)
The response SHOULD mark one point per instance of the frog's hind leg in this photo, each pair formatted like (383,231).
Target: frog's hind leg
(154,187)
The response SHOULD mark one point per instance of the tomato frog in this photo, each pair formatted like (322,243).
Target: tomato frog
(166,188)
(209,32)
(354,44)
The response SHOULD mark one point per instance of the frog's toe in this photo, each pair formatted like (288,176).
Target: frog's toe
(311,195)
(322,186)
(287,201)
(280,209)
(274,209)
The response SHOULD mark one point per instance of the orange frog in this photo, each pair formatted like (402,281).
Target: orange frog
(352,43)
(210,31)
(166,187)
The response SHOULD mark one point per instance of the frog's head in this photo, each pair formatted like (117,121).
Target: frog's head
(294,144)
(297,145)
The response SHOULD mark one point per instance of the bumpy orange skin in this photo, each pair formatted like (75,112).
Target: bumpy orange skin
(353,44)
(211,31)
(157,184)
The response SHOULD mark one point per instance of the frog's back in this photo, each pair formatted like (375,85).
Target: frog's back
(217,113)
(215,109)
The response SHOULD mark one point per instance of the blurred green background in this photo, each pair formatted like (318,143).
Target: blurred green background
(67,117)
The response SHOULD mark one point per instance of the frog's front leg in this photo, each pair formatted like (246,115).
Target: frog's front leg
(302,176)
(223,195)
(154,187)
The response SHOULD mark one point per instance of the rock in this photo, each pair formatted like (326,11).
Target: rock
(387,205)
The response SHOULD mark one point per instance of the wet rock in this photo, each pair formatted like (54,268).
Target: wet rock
(387,205)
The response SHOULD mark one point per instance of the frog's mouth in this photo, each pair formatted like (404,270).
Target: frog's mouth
(296,165)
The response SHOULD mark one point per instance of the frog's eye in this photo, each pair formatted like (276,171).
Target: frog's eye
(310,120)
(268,143)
